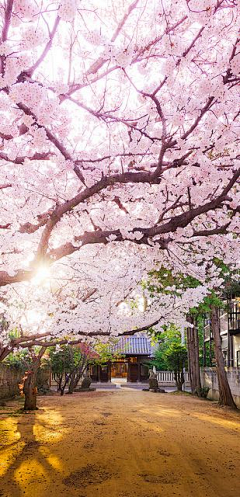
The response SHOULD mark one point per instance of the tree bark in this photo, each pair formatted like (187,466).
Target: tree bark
(72,382)
(179,379)
(63,384)
(29,383)
(225,394)
(75,377)
(77,374)
(30,391)
(4,352)
(193,359)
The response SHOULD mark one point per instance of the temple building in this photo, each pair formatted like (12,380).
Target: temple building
(131,365)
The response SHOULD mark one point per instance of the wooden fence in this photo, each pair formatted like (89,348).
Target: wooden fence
(166,378)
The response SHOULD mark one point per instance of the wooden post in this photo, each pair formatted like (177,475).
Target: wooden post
(139,371)
(231,351)
(109,371)
(228,350)
(204,348)
(98,373)
(210,350)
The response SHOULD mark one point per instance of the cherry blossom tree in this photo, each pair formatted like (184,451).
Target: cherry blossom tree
(119,150)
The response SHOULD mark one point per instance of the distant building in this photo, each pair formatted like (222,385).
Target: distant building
(229,331)
(133,352)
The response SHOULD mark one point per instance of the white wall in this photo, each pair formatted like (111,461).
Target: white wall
(209,379)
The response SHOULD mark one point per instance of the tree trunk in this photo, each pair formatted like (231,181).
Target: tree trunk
(225,394)
(29,383)
(80,374)
(72,382)
(63,384)
(62,388)
(30,391)
(76,375)
(59,382)
(179,379)
(193,360)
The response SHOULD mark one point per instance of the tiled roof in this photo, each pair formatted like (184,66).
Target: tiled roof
(134,346)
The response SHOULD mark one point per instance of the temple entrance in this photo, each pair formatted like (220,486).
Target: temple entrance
(100,373)
(119,369)
(137,372)
(133,373)
(104,373)
(128,370)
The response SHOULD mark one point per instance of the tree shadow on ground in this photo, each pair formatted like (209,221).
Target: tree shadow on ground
(30,458)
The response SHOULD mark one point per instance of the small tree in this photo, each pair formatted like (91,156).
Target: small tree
(69,364)
(165,282)
(171,354)
(82,356)
(166,339)
(176,357)
(62,363)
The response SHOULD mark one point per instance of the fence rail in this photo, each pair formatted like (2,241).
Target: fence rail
(167,378)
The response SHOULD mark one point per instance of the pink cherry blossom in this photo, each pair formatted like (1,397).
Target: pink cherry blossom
(119,150)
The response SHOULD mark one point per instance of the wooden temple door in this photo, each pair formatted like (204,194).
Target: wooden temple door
(104,373)
(94,373)
(133,372)
(144,372)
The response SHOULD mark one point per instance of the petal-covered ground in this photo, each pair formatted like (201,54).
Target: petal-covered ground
(123,443)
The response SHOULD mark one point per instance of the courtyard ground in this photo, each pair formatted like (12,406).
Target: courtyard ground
(123,443)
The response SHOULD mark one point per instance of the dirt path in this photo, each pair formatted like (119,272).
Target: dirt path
(121,444)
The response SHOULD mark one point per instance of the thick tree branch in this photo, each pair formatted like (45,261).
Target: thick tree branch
(20,160)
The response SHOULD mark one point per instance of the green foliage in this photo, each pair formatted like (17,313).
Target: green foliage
(165,282)
(68,364)
(168,283)
(159,360)
(205,306)
(64,360)
(169,343)
(176,357)
(204,348)
(20,360)
(14,333)
(106,351)
(204,392)
(230,277)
